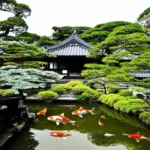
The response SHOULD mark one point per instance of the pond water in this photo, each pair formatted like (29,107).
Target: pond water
(86,134)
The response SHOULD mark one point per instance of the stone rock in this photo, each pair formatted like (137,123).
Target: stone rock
(3,107)
(139,95)
(31,116)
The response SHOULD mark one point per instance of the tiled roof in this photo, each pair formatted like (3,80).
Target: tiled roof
(141,74)
(72,46)
(71,50)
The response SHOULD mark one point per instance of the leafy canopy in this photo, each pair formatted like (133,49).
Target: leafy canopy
(16,78)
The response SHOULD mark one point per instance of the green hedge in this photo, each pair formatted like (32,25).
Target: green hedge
(47,95)
(137,89)
(74,83)
(124,104)
(113,88)
(6,93)
(110,99)
(130,105)
(61,88)
(125,93)
(78,89)
(145,117)
(88,95)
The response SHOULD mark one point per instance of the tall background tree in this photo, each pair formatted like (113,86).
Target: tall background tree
(14,24)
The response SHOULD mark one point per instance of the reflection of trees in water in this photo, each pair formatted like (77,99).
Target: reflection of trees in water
(123,117)
(101,140)
(115,123)
(31,142)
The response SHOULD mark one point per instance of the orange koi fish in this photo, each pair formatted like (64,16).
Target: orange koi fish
(136,136)
(42,112)
(103,117)
(100,123)
(81,111)
(60,119)
(62,134)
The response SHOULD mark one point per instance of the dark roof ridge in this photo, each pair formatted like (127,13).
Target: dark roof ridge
(73,38)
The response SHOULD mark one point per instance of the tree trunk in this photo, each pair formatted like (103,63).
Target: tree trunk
(21,97)
(7,32)
(105,91)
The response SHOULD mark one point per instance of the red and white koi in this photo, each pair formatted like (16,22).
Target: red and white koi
(42,112)
(60,119)
(81,111)
(62,134)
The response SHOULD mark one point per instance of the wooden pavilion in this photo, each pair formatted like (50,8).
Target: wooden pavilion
(71,56)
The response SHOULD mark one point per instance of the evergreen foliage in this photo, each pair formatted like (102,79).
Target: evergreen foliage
(19,9)
(145,12)
(47,95)
(78,90)
(25,37)
(28,64)
(15,24)
(124,104)
(6,93)
(130,105)
(45,41)
(125,93)
(61,88)
(61,33)
(16,51)
(15,78)
(110,99)
(145,117)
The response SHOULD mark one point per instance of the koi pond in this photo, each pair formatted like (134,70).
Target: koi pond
(86,133)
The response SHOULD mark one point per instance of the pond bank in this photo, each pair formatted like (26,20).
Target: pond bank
(13,132)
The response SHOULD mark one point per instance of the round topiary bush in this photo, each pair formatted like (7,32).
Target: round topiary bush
(61,88)
(47,95)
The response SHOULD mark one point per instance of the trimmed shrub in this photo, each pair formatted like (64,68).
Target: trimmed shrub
(125,93)
(113,89)
(61,88)
(90,95)
(130,105)
(11,63)
(137,89)
(145,117)
(74,83)
(47,95)
(110,99)
(78,89)
(6,93)
(78,96)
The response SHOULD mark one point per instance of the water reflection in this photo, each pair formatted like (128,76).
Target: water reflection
(87,134)
(31,142)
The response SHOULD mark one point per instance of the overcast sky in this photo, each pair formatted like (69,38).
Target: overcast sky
(49,13)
